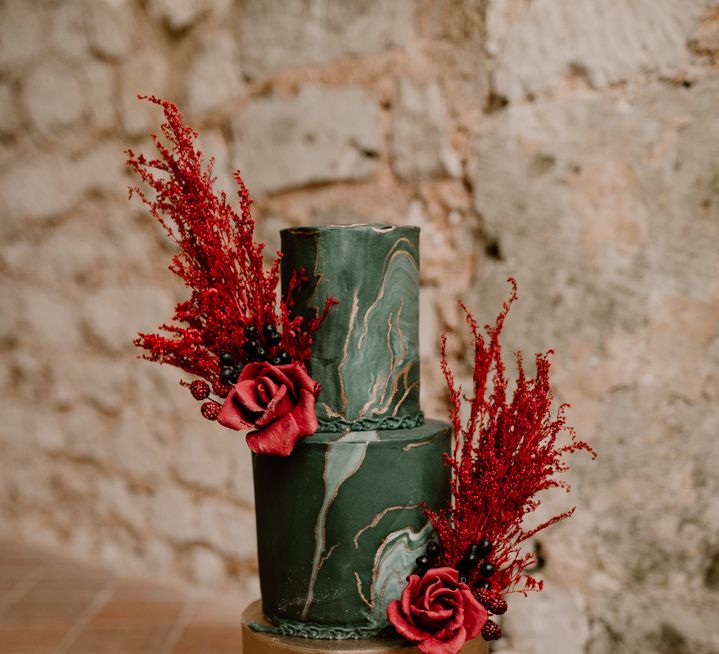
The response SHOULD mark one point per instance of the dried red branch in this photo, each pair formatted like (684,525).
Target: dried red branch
(218,259)
(505,453)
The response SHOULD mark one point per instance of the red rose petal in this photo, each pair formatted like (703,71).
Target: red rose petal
(271,384)
(246,392)
(475,615)
(251,371)
(279,407)
(439,645)
(234,415)
(263,393)
(408,593)
(305,414)
(404,628)
(299,376)
(278,438)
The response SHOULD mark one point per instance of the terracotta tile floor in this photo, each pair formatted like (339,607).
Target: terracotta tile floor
(50,605)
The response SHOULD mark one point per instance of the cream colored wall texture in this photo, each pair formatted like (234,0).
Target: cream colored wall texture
(573,145)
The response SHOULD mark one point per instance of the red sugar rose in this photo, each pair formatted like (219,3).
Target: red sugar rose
(437,612)
(277,401)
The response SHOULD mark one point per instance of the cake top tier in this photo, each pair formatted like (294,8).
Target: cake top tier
(365,355)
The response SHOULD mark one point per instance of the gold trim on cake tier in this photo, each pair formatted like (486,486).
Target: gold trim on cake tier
(255,642)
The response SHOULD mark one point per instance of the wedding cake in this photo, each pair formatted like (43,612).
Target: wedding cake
(340,521)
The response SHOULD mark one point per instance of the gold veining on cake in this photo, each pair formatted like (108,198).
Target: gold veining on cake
(375,521)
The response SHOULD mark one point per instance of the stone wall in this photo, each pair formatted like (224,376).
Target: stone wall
(574,145)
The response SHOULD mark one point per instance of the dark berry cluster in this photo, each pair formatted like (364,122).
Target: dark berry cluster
(258,347)
(475,556)
(429,558)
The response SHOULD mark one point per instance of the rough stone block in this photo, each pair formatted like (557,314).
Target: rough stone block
(214,75)
(114,314)
(420,147)
(51,318)
(175,516)
(9,115)
(241,472)
(705,40)
(136,450)
(206,567)
(21,33)
(178,15)
(205,458)
(99,90)
(95,381)
(53,97)
(546,41)
(322,135)
(307,32)
(38,188)
(228,528)
(117,500)
(8,319)
(85,430)
(143,74)
(110,27)
(68,33)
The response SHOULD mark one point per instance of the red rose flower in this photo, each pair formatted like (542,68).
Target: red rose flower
(437,612)
(277,401)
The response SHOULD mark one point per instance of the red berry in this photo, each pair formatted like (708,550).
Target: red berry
(491,601)
(199,389)
(491,631)
(210,410)
(220,389)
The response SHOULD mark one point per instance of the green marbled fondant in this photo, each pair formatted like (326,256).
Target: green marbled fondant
(340,523)
(365,356)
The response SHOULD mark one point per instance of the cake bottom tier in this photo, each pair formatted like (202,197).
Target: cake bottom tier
(258,642)
(340,524)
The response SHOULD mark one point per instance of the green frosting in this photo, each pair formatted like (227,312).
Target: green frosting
(340,523)
(365,356)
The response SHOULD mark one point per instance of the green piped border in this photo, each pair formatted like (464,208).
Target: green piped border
(322,631)
(386,423)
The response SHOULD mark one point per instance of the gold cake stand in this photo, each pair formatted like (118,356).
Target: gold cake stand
(255,642)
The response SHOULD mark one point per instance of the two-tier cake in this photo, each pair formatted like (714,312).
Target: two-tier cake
(340,521)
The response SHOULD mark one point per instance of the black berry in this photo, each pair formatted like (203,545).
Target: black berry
(251,344)
(274,338)
(235,375)
(260,353)
(472,559)
(227,360)
(484,584)
(472,553)
(484,547)
(250,331)
(275,361)
(269,329)
(284,357)
(433,549)
(487,569)
(422,563)
(226,375)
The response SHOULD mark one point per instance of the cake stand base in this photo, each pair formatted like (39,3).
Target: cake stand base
(255,642)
